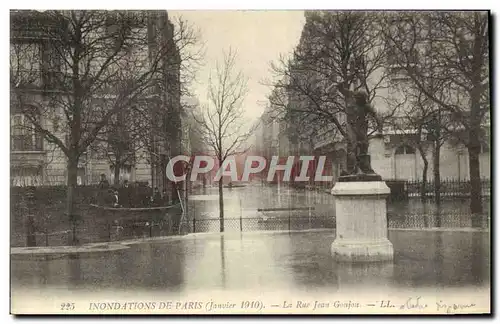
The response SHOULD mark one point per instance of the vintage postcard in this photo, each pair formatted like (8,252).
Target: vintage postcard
(250,162)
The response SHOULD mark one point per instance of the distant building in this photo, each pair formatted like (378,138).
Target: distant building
(395,157)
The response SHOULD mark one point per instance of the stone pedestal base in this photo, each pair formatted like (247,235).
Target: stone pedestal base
(361,218)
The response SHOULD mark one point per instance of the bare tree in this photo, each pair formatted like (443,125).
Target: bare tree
(221,123)
(418,124)
(162,120)
(120,142)
(446,55)
(337,50)
(93,64)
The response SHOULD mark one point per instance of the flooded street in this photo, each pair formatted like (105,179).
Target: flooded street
(265,249)
(241,162)
(272,260)
(256,207)
(270,204)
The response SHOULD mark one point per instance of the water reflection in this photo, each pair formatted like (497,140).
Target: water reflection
(75,271)
(441,258)
(478,269)
(266,262)
(222,262)
(317,210)
(352,275)
(243,203)
(438,256)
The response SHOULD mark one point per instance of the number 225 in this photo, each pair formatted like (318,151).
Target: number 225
(67,306)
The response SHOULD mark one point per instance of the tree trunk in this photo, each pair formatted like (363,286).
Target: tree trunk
(475,132)
(116,181)
(437,173)
(423,189)
(72,169)
(221,199)
(476,206)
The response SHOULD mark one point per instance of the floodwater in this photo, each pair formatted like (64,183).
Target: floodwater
(267,261)
(257,207)
(453,259)
(269,204)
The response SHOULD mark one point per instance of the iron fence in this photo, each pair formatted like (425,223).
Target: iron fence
(86,233)
(447,188)
(249,224)
(109,232)
(438,220)
(36,224)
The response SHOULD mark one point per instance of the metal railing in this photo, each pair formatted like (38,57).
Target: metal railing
(175,226)
(402,189)
(447,188)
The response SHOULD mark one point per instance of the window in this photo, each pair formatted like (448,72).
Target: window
(125,173)
(405,149)
(23,135)
(81,176)
(25,64)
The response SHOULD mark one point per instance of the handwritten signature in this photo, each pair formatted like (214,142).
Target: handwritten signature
(452,307)
(413,303)
(416,303)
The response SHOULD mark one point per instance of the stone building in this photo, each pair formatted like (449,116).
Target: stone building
(395,157)
(36,160)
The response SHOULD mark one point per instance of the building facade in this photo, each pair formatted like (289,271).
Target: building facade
(35,157)
(395,157)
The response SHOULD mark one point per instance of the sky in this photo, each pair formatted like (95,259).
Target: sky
(259,37)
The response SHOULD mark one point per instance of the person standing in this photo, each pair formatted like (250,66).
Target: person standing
(156,198)
(103,182)
(126,194)
(102,194)
(116,199)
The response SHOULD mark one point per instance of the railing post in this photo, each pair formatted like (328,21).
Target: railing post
(194,217)
(289,220)
(74,239)
(309,208)
(109,231)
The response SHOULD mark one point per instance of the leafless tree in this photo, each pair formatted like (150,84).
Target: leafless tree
(221,123)
(336,48)
(446,56)
(152,125)
(418,124)
(90,65)
(120,141)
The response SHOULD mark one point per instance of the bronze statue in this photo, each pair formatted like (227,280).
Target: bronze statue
(358,110)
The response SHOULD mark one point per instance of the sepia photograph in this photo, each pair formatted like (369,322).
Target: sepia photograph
(250,162)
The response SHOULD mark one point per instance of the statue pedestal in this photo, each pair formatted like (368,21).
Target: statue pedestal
(361,217)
